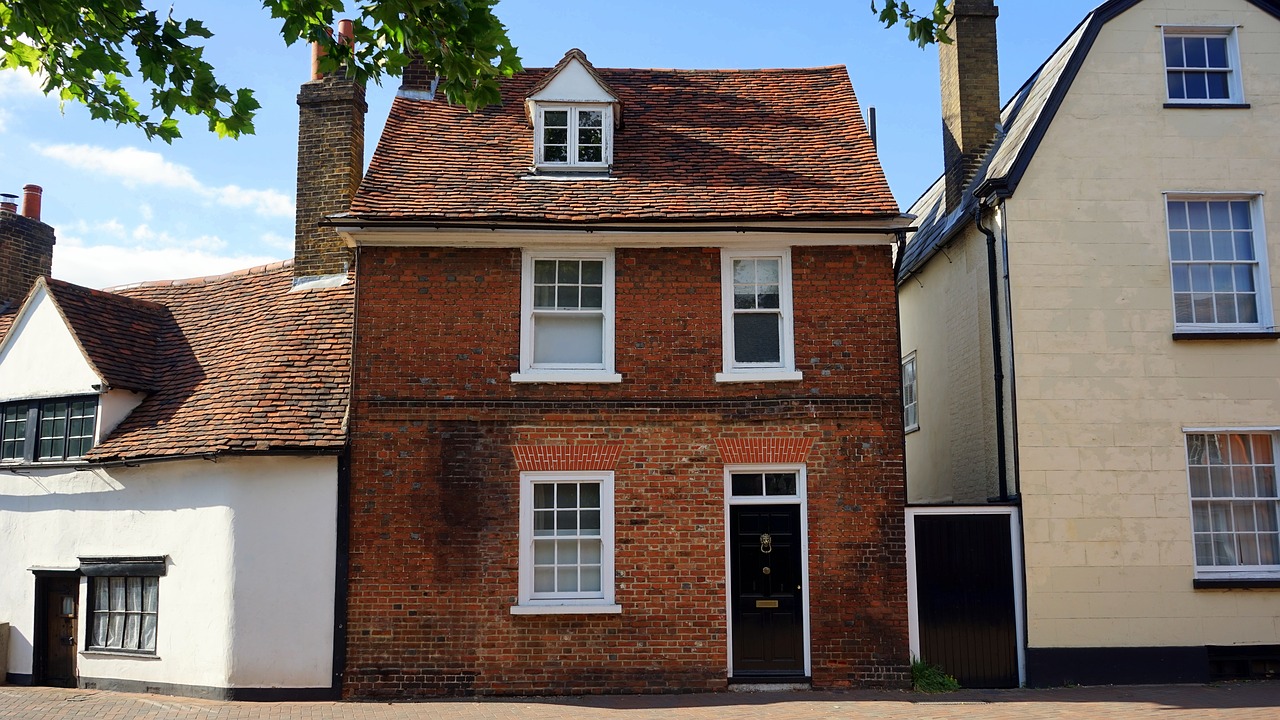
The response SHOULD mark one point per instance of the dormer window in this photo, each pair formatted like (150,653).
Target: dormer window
(47,430)
(574,136)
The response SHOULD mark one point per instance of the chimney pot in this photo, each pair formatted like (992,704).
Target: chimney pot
(31,195)
(9,201)
(346,32)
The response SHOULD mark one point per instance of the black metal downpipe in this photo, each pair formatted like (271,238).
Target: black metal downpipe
(997,351)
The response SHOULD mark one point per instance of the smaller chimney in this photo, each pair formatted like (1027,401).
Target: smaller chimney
(31,201)
(970,77)
(331,110)
(26,245)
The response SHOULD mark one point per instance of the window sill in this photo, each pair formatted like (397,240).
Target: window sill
(1226,335)
(23,465)
(910,429)
(745,376)
(566,376)
(1208,105)
(1228,583)
(109,652)
(578,609)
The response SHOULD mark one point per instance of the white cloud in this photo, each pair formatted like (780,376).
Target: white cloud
(135,167)
(109,265)
(276,241)
(20,83)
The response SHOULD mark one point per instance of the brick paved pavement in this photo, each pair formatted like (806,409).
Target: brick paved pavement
(1237,701)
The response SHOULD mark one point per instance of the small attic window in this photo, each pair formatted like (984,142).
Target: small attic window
(573,136)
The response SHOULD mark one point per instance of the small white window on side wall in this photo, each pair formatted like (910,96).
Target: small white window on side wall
(566,543)
(756,316)
(910,403)
(1202,65)
(566,319)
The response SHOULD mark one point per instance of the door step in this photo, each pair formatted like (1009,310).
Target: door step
(770,686)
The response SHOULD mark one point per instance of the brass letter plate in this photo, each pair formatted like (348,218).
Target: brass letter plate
(766,603)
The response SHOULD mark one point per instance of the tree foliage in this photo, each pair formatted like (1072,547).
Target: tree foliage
(922,28)
(85,51)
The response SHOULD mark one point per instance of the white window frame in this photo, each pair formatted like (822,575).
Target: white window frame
(606,136)
(733,371)
(1235,87)
(529,602)
(560,373)
(911,408)
(1228,572)
(1261,276)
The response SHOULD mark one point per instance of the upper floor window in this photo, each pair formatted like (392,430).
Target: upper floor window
(1219,267)
(1202,65)
(910,408)
(47,430)
(756,316)
(1235,509)
(572,136)
(567,320)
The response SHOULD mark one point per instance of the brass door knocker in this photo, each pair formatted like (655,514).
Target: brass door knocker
(766,543)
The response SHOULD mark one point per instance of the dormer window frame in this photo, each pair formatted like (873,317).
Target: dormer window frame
(573,136)
(50,430)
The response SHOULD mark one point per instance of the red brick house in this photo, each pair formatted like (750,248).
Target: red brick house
(627,409)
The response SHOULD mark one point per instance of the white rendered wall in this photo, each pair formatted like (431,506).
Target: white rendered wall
(42,358)
(573,84)
(114,406)
(1104,392)
(248,597)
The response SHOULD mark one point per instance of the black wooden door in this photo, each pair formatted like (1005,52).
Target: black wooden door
(767,619)
(965,596)
(57,599)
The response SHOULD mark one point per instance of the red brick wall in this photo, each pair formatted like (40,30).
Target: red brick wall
(435,485)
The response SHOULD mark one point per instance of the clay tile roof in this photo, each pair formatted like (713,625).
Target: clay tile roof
(695,145)
(239,364)
(118,334)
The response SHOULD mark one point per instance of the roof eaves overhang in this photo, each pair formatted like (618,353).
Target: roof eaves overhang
(448,232)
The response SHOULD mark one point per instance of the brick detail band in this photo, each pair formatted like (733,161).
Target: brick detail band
(757,451)
(566,457)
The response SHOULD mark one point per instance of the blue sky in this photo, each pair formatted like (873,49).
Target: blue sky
(126,210)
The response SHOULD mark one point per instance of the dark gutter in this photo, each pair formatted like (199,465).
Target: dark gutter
(210,456)
(997,347)
(594,228)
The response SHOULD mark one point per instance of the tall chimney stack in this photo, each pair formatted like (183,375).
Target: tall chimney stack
(970,77)
(331,110)
(26,245)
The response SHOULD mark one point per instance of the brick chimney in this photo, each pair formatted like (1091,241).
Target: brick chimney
(26,245)
(970,91)
(331,110)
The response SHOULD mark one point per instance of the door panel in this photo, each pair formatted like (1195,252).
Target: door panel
(767,619)
(57,610)
(964,586)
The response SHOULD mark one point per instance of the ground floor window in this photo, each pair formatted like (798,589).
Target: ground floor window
(566,538)
(1234,504)
(124,613)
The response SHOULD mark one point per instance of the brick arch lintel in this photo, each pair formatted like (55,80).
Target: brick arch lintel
(566,457)
(762,451)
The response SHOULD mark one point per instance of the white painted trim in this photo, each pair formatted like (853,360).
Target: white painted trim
(566,376)
(665,235)
(527,604)
(785,369)
(1019,581)
(606,134)
(578,609)
(1235,71)
(743,376)
(1220,429)
(915,391)
(528,372)
(1224,572)
(801,498)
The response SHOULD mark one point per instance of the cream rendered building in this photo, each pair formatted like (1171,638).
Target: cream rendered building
(1130,191)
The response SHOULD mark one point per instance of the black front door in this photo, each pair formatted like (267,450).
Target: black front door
(767,610)
(57,599)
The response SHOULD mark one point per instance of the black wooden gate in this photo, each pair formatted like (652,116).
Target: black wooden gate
(965,597)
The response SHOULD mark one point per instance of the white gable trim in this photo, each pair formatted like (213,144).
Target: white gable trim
(574,84)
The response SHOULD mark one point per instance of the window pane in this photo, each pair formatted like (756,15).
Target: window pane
(544,496)
(744,272)
(567,579)
(1177,90)
(133,594)
(1217,86)
(567,552)
(555,153)
(544,296)
(592,272)
(544,552)
(544,271)
(591,552)
(544,522)
(757,338)
(555,136)
(590,118)
(1201,246)
(747,485)
(1195,52)
(1198,215)
(767,296)
(115,631)
(1173,52)
(566,522)
(590,154)
(567,297)
(589,495)
(150,594)
(590,579)
(780,484)
(148,632)
(567,271)
(1179,246)
(544,579)
(590,521)
(1216,52)
(1199,482)
(568,339)
(555,117)
(1241,219)
(132,631)
(566,495)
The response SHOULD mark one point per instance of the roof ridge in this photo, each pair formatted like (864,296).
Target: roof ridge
(206,279)
(105,294)
(837,66)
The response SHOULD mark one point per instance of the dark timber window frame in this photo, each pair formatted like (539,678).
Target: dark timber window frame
(24,438)
(126,573)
